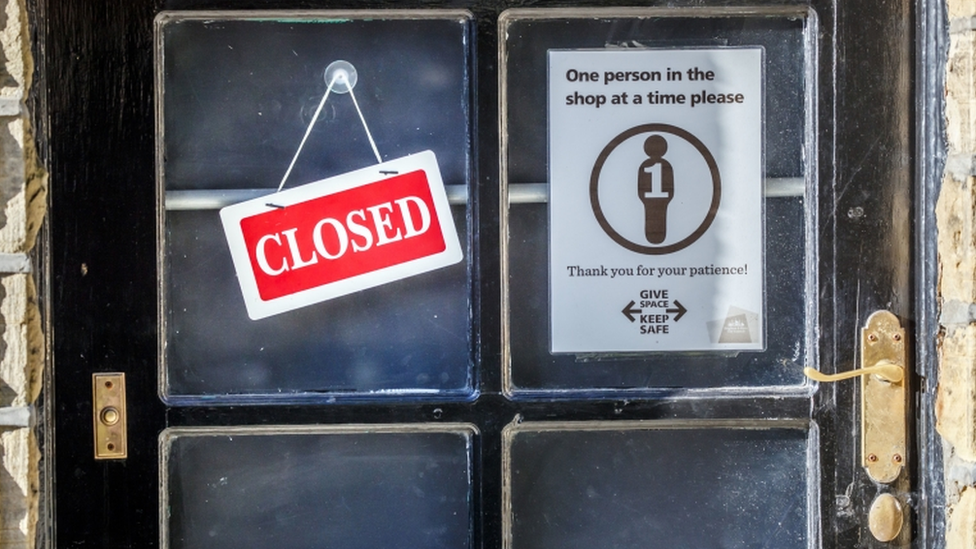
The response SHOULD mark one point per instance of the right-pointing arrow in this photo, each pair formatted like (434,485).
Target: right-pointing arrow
(680,310)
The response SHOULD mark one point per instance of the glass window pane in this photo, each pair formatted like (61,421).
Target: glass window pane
(659,484)
(786,38)
(350,487)
(235,96)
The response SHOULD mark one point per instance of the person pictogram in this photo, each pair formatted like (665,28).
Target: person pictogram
(668,225)
(655,188)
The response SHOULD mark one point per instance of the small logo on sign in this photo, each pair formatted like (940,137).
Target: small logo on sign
(739,326)
(341,235)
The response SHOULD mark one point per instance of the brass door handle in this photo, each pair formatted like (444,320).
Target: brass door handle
(884,420)
(883,396)
(885,369)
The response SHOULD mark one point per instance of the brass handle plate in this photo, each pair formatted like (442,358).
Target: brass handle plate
(108,415)
(883,402)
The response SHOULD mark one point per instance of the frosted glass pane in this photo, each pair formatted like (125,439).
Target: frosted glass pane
(659,488)
(297,489)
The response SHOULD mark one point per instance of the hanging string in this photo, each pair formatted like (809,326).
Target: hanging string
(308,131)
(338,76)
(363,120)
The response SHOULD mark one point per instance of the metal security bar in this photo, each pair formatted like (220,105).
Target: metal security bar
(519,193)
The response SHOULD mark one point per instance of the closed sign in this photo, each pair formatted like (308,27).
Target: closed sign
(341,235)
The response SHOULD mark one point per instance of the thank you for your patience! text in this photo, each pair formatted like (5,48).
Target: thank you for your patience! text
(647,95)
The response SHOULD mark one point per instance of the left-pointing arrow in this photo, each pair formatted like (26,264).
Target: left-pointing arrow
(629,311)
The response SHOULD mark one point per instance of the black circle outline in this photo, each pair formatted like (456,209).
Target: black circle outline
(595,182)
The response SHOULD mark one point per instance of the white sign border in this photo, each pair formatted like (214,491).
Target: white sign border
(763,317)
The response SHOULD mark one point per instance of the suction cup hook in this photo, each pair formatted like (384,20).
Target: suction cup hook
(342,75)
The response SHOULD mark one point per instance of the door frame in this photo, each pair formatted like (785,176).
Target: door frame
(75,70)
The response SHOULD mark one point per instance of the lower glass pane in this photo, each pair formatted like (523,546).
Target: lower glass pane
(350,487)
(659,484)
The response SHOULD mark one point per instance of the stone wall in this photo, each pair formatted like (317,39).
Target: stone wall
(956,404)
(23,198)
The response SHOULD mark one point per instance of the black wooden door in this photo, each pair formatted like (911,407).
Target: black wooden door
(855,116)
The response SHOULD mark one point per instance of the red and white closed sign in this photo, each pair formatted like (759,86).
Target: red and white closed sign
(341,235)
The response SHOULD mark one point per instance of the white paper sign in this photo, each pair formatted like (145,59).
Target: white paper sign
(656,202)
